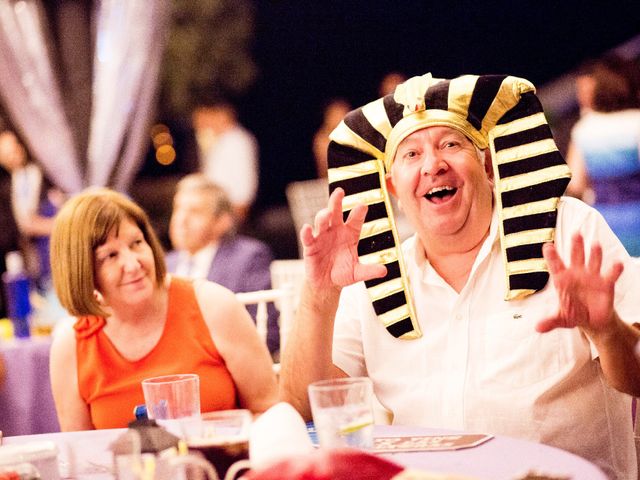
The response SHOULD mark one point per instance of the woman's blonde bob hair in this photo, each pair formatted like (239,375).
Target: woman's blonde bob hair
(81,226)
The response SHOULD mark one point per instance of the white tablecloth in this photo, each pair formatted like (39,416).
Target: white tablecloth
(501,458)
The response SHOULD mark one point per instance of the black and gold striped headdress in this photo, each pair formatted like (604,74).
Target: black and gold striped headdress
(495,111)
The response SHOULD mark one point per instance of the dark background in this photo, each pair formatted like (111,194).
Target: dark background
(310,51)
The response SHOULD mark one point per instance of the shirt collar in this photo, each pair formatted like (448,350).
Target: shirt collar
(201,260)
(422,261)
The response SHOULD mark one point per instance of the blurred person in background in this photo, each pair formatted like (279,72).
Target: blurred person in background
(9,236)
(133,321)
(332,114)
(203,233)
(34,203)
(389,83)
(228,154)
(584,86)
(604,152)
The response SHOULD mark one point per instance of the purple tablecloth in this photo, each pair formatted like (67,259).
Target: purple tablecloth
(501,458)
(26,403)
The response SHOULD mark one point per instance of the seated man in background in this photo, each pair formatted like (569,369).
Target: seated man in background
(203,233)
(508,312)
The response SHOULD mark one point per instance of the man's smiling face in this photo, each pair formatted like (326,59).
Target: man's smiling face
(441,182)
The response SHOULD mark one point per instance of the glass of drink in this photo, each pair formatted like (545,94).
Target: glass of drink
(222,437)
(172,398)
(343,412)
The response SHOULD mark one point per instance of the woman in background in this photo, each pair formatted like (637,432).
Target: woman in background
(34,202)
(133,321)
(604,153)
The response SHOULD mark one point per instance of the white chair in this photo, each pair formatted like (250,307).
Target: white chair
(288,274)
(282,298)
(305,199)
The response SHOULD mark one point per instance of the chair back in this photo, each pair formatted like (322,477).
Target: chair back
(283,298)
(305,199)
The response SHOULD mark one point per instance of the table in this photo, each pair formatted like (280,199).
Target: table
(501,458)
(26,402)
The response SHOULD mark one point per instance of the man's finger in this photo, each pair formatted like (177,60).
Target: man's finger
(322,221)
(356,216)
(548,324)
(595,259)
(335,206)
(553,259)
(364,272)
(577,250)
(306,235)
(614,272)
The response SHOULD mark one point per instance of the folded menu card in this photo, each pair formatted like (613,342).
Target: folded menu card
(426,443)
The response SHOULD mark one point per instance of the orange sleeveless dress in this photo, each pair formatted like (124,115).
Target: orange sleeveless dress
(110,384)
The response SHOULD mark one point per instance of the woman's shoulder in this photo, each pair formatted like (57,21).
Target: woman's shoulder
(64,337)
(87,326)
(211,292)
(218,304)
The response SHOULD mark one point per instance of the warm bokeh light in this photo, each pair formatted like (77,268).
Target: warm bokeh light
(165,155)
(163,143)
(162,138)
(159,128)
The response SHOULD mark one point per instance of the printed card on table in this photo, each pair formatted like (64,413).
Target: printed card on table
(426,443)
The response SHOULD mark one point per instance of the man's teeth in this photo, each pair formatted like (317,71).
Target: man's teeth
(439,189)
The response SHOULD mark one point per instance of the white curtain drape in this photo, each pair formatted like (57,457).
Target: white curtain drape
(129,45)
(31,93)
(130,39)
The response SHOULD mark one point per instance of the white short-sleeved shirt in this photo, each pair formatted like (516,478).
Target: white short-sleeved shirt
(480,365)
(232,163)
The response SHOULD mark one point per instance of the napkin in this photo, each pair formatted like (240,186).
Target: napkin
(278,433)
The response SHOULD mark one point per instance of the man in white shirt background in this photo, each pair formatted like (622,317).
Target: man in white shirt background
(228,154)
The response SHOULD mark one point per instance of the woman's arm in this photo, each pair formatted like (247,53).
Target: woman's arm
(237,340)
(579,183)
(73,412)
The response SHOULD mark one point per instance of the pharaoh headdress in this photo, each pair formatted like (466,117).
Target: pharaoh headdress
(495,111)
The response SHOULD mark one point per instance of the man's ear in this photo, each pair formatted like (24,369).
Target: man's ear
(390,187)
(224,223)
(488,164)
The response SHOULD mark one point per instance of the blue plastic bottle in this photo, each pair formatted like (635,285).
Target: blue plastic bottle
(17,287)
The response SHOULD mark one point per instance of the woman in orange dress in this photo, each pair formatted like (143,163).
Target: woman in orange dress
(133,321)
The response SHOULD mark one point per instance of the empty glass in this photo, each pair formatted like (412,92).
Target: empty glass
(171,398)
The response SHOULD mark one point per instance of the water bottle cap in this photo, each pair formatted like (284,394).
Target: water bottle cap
(14,262)
(140,412)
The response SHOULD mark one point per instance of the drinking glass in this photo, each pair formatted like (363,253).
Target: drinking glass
(222,437)
(343,412)
(171,398)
